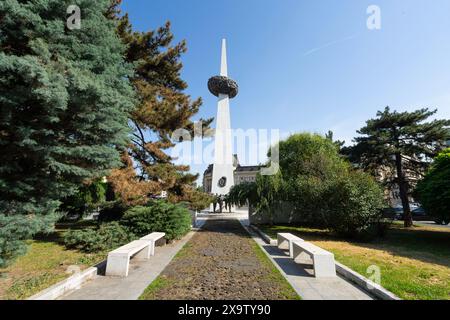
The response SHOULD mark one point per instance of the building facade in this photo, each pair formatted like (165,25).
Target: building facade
(241,174)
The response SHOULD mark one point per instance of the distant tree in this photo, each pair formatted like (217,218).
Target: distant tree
(64,104)
(434,190)
(330,136)
(400,142)
(316,186)
(242,194)
(163,107)
(89,197)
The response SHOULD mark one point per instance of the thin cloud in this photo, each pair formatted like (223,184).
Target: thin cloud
(332,43)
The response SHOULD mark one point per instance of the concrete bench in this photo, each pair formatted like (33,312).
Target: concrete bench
(118,261)
(285,240)
(153,238)
(323,261)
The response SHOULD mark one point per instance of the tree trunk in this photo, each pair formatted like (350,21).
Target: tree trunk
(403,187)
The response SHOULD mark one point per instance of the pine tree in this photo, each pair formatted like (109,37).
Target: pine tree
(330,136)
(64,104)
(400,142)
(163,108)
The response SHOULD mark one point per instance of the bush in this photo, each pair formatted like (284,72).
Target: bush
(196,199)
(434,190)
(88,198)
(107,237)
(354,205)
(308,154)
(158,216)
(320,188)
(242,193)
(112,211)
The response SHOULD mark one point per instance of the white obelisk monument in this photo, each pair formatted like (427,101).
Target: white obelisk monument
(225,89)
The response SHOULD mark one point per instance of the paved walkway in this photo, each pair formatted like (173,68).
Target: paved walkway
(143,273)
(302,279)
(140,276)
(221,262)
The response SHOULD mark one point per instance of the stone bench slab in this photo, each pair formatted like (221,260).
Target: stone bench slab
(285,240)
(323,261)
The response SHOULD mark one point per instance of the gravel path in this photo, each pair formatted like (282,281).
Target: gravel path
(220,262)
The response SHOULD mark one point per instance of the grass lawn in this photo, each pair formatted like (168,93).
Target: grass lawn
(46,263)
(414,263)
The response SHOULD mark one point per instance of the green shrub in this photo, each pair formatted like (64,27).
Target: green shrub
(353,206)
(158,216)
(320,188)
(308,154)
(242,193)
(88,198)
(198,199)
(434,190)
(108,236)
(112,211)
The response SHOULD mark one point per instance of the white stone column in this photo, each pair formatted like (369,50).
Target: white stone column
(223,169)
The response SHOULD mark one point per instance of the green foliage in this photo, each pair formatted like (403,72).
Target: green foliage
(242,193)
(321,187)
(398,144)
(14,229)
(309,155)
(163,107)
(198,199)
(354,202)
(112,211)
(434,189)
(65,98)
(158,216)
(108,236)
(308,163)
(88,198)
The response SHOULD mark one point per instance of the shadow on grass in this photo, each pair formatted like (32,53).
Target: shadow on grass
(430,246)
(61,227)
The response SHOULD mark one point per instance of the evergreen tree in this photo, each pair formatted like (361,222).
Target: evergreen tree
(163,107)
(434,190)
(330,136)
(64,104)
(400,142)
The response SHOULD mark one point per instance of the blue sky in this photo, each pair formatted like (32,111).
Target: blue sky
(311,65)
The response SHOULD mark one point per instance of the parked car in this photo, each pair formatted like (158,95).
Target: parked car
(418,214)
(442,221)
(392,213)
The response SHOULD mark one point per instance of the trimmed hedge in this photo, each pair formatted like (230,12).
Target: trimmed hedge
(158,216)
(108,236)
